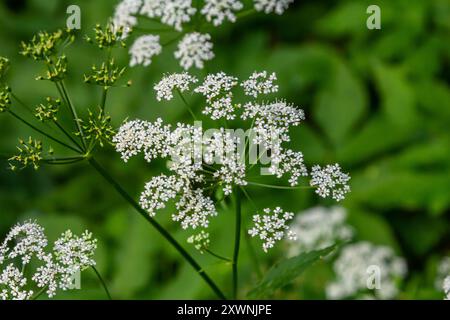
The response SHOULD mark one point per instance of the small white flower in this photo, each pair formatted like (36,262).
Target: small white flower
(446,288)
(260,83)
(272,226)
(200,241)
(351,269)
(173,13)
(12,284)
(124,15)
(194,49)
(180,81)
(219,10)
(318,228)
(330,181)
(26,240)
(216,88)
(143,49)
(268,6)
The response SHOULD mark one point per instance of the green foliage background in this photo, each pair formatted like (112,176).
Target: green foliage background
(377,101)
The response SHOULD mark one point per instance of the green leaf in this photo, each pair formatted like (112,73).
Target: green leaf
(397,96)
(340,104)
(286,271)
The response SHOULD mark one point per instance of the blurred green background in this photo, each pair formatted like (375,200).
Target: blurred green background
(377,102)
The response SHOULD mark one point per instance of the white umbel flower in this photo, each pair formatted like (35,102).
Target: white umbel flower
(318,228)
(260,83)
(272,226)
(12,284)
(179,81)
(446,288)
(25,240)
(173,13)
(352,269)
(219,10)
(269,6)
(330,180)
(143,49)
(216,88)
(194,49)
(200,241)
(55,269)
(124,15)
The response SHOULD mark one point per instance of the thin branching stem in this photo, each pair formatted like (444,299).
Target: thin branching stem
(218,256)
(102,282)
(158,227)
(42,132)
(187,104)
(68,135)
(272,186)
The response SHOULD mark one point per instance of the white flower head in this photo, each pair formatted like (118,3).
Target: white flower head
(351,269)
(272,226)
(318,228)
(260,83)
(446,287)
(269,6)
(26,240)
(194,49)
(216,88)
(173,13)
(330,180)
(219,10)
(13,283)
(124,15)
(55,269)
(179,81)
(200,241)
(143,49)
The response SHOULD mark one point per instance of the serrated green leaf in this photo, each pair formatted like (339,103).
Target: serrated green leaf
(286,271)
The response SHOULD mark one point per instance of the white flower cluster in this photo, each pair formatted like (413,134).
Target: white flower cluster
(272,226)
(318,228)
(125,15)
(200,241)
(216,159)
(143,49)
(195,48)
(27,241)
(353,270)
(446,288)
(443,272)
(179,81)
(260,83)
(330,180)
(217,90)
(219,10)
(269,6)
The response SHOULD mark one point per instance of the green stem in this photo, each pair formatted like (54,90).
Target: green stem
(237,241)
(103,102)
(187,104)
(158,227)
(74,113)
(102,282)
(277,187)
(217,255)
(245,13)
(68,135)
(42,132)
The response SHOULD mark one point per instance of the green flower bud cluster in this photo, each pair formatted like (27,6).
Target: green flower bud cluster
(106,75)
(107,37)
(30,154)
(44,45)
(98,128)
(57,71)
(49,110)
(4,64)
(5,99)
